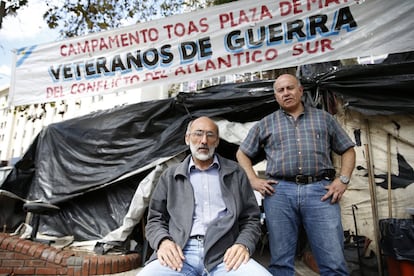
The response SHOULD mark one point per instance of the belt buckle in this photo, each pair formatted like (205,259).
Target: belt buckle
(299,179)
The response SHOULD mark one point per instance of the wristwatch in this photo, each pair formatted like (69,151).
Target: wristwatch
(344,179)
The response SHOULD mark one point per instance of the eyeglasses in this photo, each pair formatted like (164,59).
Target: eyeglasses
(200,134)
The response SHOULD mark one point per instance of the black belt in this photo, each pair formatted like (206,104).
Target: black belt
(197,237)
(306,179)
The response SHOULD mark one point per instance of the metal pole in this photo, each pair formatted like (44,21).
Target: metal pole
(389,175)
(354,207)
(372,189)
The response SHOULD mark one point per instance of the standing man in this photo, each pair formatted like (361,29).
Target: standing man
(203,217)
(301,187)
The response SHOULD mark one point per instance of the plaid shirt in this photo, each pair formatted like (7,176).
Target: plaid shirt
(297,147)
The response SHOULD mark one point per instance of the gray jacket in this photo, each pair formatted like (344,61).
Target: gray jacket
(172,205)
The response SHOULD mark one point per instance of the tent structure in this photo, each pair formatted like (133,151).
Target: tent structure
(100,168)
(91,166)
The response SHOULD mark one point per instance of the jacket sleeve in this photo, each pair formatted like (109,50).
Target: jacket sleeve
(156,228)
(249,217)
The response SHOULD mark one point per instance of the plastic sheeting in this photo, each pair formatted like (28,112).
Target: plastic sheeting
(91,166)
(373,89)
(397,238)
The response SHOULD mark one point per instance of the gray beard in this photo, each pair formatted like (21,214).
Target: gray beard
(202,156)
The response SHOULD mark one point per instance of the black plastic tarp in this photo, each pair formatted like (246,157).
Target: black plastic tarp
(397,238)
(373,89)
(78,164)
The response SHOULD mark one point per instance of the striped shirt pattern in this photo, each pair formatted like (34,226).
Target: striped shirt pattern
(209,203)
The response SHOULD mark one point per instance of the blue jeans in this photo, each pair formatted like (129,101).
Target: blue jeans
(294,205)
(193,265)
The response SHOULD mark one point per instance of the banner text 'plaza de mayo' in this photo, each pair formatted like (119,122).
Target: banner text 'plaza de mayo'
(243,36)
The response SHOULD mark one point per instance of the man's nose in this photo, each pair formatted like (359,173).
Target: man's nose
(204,138)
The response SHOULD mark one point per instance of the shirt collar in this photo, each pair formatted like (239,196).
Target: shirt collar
(304,110)
(215,164)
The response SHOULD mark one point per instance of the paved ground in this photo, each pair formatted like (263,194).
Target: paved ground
(128,273)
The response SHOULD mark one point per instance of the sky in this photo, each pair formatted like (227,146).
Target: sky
(26,29)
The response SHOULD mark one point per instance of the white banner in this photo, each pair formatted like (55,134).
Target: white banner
(243,36)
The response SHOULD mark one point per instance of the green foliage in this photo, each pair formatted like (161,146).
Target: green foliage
(75,18)
(11,9)
(7,10)
(219,2)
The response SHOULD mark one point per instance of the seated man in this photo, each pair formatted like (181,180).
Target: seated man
(203,217)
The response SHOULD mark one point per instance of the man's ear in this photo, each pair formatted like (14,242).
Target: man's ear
(187,142)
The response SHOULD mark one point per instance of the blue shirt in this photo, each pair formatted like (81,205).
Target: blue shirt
(301,146)
(209,204)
